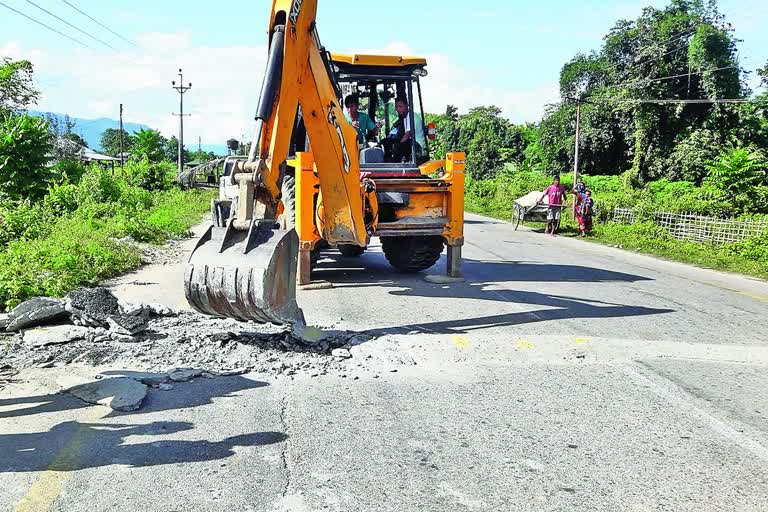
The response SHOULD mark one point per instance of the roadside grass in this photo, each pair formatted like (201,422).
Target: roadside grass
(77,235)
(748,258)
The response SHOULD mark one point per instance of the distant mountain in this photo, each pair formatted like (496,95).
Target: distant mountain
(91,129)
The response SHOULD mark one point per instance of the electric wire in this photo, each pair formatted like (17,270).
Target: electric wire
(99,23)
(46,26)
(68,23)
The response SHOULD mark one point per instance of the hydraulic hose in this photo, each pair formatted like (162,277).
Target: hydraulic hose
(269,86)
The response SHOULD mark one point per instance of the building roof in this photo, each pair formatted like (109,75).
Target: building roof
(92,156)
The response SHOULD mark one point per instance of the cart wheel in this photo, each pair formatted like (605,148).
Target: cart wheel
(517,218)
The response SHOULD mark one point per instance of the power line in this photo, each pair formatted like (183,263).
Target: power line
(99,23)
(71,25)
(677,101)
(644,81)
(46,26)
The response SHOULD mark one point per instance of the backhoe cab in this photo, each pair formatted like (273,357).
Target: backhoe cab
(418,214)
(310,181)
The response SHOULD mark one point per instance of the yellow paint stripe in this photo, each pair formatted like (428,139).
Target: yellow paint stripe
(524,344)
(753,296)
(461,342)
(49,484)
(581,341)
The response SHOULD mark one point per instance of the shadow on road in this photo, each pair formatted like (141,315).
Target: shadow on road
(185,395)
(72,445)
(482,284)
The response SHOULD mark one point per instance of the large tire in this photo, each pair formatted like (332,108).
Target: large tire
(287,219)
(412,253)
(351,251)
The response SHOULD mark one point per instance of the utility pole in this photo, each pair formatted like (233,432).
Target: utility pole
(121,137)
(199,144)
(181,88)
(576,151)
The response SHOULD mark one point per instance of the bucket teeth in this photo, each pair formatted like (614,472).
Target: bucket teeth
(250,277)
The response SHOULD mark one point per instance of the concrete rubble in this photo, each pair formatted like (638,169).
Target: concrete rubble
(92,307)
(34,312)
(42,336)
(95,329)
(119,393)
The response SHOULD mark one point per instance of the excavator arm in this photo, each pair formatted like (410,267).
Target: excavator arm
(244,267)
(298,75)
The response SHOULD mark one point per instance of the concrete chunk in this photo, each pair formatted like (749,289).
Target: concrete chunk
(121,393)
(184,374)
(92,306)
(128,324)
(34,312)
(43,336)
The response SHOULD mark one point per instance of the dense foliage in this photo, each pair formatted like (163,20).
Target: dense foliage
(74,235)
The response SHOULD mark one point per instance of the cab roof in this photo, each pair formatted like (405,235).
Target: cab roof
(359,59)
(378,65)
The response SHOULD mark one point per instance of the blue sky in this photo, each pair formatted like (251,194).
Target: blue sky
(502,52)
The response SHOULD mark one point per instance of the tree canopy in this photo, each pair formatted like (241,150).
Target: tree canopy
(17,91)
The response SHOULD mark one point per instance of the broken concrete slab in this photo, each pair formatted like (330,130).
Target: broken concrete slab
(128,324)
(134,309)
(120,393)
(91,306)
(184,374)
(154,380)
(341,353)
(124,338)
(36,311)
(161,310)
(55,334)
(5,318)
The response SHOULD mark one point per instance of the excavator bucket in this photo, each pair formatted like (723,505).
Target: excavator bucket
(247,275)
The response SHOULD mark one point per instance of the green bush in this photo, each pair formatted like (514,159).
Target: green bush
(25,144)
(151,176)
(24,220)
(63,198)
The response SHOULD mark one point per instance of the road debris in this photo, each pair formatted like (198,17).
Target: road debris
(119,393)
(95,329)
(92,307)
(43,336)
(34,312)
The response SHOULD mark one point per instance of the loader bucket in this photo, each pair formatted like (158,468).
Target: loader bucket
(246,275)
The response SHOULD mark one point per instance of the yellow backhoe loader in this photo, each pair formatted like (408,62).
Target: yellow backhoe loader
(313,180)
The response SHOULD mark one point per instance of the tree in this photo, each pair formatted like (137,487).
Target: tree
(16,89)
(76,138)
(25,146)
(684,51)
(763,74)
(148,144)
(171,150)
(110,142)
(67,144)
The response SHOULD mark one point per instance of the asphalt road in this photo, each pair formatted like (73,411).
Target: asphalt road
(561,375)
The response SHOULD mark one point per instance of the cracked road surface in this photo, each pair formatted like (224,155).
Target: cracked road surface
(561,376)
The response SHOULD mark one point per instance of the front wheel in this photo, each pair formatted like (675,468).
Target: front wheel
(412,253)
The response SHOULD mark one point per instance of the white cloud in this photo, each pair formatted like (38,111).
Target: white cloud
(226,81)
(449,83)
(86,83)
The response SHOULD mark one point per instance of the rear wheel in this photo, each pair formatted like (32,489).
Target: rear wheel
(351,251)
(287,219)
(412,253)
